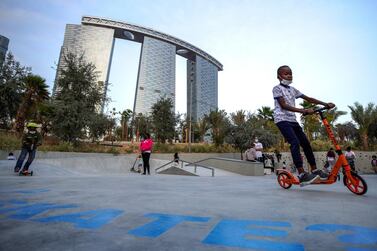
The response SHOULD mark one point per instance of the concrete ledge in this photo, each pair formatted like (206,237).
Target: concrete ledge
(246,168)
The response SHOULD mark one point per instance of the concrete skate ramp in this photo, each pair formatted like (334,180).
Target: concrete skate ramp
(100,164)
(176,171)
(80,165)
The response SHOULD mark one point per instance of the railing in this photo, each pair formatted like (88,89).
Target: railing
(189,164)
(217,158)
(155,170)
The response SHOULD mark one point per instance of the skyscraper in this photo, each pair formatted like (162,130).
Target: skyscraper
(202,89)
(94,43)
(4,42)
(94,38)
(156,77)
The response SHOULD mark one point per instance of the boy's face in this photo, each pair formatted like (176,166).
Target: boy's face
(285,73)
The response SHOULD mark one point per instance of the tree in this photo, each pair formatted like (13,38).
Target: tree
(11,88)
(140,124)
(182,127)
(164,119)
(265,130)
(111,123)
(125,117)
(241,136)
(265,113)
(219,124)
(202,127)
(311,123)
(372,132)
(44,115)
(77,99)
(35,93)
(346,131)
(98,125)
(332,116)
(364,118)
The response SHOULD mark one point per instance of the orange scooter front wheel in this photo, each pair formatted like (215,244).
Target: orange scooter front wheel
(284,180)
(359,187)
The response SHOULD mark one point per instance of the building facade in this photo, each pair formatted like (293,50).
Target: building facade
(156,76)
(4,42)
(95,44)
(94,38)
(202,88)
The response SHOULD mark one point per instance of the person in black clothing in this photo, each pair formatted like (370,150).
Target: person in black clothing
(30,141)
(330,158)
(176,158)
(278,155)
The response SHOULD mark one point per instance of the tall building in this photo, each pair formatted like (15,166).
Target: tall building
(156,77)
(156,74)
(202,88)
(96,46)
(4,42)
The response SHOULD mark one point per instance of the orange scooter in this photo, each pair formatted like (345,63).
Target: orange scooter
(351,179)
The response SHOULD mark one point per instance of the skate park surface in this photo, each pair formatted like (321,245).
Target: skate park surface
(93,202)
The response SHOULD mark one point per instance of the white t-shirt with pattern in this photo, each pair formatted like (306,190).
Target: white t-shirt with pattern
(290,94)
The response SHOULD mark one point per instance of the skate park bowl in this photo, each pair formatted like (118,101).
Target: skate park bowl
(94,164)
(85,201)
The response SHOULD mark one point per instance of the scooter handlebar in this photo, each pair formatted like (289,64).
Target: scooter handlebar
(318,110)
(321,109)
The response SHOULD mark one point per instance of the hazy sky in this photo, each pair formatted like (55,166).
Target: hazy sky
(331,46)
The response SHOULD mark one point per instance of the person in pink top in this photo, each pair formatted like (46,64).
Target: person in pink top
(146,145)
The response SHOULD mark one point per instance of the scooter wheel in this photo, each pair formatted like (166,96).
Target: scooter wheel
(359,188)
(284,180)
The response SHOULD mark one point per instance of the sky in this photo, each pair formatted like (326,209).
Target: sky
(330,45)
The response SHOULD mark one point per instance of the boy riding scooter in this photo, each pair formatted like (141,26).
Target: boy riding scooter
(285,119)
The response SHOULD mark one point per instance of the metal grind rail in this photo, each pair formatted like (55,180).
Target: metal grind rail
(189,164)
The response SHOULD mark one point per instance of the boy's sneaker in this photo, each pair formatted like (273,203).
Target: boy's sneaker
(24,171)
(322,174)
(308,178)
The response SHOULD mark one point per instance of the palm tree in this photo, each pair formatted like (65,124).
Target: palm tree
(333,115)
(125,117)
(36,92)
(202,126)
(218,122)
(266,113)
(363,118)
(140,124)
(311,124)
(238,118)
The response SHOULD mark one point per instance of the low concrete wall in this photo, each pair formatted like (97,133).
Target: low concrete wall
(362,163)
(363,159)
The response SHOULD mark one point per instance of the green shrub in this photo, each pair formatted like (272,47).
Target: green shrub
(9,142)
(321,145)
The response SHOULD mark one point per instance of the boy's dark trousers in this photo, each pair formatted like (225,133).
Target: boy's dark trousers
(293,133)
(21,158)
(146,157)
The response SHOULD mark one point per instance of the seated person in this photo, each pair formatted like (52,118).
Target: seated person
(250,154)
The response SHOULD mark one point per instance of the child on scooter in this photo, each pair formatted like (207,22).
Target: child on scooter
(285,118)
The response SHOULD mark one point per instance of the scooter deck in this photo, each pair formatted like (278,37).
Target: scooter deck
(25,174)
(295,181)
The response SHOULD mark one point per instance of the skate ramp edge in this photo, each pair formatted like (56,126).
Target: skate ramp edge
(176,171)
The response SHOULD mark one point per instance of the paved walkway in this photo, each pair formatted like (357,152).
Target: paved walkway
(65,208)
